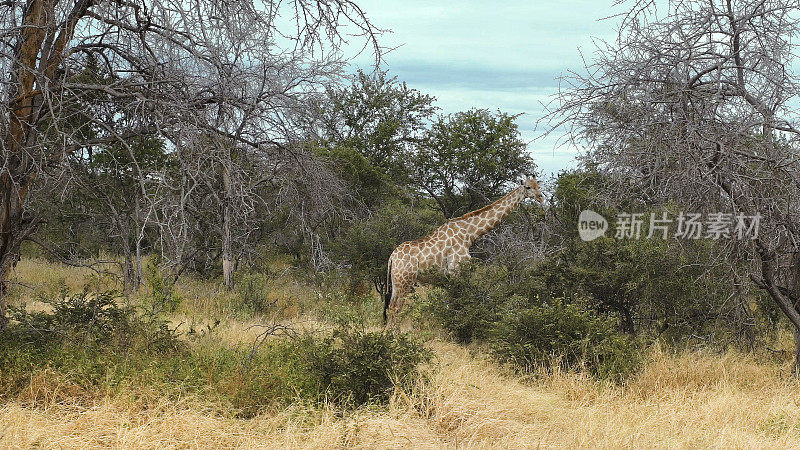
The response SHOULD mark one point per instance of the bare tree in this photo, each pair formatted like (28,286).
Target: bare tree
(698,103)
(313,198)
(224,182)
(106,188)
(226,200)
(173,68)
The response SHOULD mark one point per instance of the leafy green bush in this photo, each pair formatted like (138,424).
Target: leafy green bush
(365,247)
(352,366)
(538,336)
(480,304)
(92,319)
(369,182)
(162,297)
(468,303)
(347,311)
(251,294)
(88,341)
(674,290)
(94,346)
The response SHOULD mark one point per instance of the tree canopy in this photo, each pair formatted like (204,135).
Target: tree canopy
(470,157)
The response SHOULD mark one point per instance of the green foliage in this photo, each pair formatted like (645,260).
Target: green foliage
(94,346)
(380,118)
(664,288)
(479,304)
(89,339)
(92,319)
(469,303)
(365,247)
(566,334)
(574,192)
(161,297)
(251,294)
(470,157)
(101,208)
(345,310)
(620,276)
(123,164)
(652,285)
(368,182)
(352,366)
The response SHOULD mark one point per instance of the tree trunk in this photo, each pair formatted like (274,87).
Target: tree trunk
(795,295)
(16,174)
(227,253)
(785,302)
(139,273)
(6,261)
(6,272)
(129,279)
(132,271)
(13,230)
(796,352)
(627,321)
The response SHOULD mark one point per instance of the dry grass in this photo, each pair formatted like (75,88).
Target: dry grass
(39,275)
(694,399)
(32,277)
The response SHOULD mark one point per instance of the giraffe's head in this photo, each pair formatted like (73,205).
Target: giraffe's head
(531,189)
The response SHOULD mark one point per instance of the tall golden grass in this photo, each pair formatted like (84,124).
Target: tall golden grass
(463,400)
(691,400)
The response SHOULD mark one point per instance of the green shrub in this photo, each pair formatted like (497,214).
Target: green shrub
(347,311)
(566,334)
(162,297)
(469,302)
(480,304)
(351,366)
(251,294)
(365,247)
(92,319)
(92,343)
(88,340)
(673,290)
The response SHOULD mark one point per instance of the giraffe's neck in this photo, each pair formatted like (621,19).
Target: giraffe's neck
(482,220)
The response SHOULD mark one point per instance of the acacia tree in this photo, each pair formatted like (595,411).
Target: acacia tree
(469,157)
(696,103)
(370,131)
(379,117)
(175,69)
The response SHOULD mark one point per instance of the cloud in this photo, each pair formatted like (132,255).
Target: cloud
(521,34)
(441,75)
(495,55)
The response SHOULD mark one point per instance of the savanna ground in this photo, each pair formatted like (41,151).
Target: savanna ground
(461,398)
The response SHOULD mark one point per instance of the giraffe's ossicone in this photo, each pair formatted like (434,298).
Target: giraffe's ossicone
(447,246)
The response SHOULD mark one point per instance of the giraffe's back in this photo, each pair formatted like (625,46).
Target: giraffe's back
(412,256)
(430,251)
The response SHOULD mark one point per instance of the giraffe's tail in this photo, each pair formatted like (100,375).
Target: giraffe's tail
(387,296)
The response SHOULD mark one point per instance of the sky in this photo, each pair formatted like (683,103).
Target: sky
(496,55)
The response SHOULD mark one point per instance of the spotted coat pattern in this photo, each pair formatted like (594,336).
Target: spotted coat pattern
(448,245)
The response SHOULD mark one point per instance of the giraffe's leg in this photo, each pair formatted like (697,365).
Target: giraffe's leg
(400,291)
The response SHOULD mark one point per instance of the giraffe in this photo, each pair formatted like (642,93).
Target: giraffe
(447,246)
